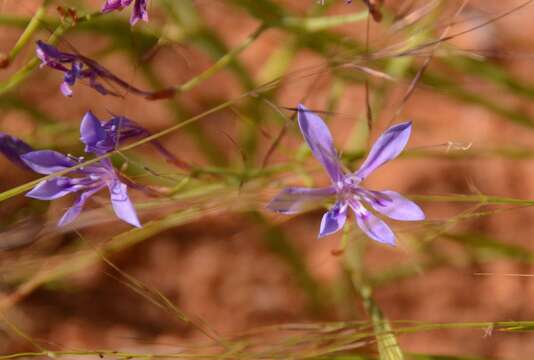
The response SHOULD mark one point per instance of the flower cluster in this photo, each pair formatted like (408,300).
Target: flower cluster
(346,187)
(99,138)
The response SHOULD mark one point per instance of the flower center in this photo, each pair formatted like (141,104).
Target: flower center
(347,187)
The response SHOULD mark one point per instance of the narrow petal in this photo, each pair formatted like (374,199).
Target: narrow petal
(320,141)
(91,131)
(47,162)
(51,189)
(294,200)
(74,211)
(111,5)
(13,148)
(395,206)
(65,89)
(387,147)
(333,220)
(122,206)
(49,53)
(372,226)
(139,12)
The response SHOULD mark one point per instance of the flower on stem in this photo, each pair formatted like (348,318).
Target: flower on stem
(79,67)
(139,11)
(346,187)
(102,137)
(87,181)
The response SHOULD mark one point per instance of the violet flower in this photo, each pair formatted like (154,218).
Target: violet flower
(88,181)
(79,67)
(102,137)
(346,186)
(139,11)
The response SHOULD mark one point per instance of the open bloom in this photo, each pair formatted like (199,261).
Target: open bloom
(139,11)
(346,187)
(86,181)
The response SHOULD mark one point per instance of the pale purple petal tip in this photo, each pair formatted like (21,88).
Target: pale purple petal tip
(373,227)
(65,89)
(122,206)
(47,162)
(333,220)
(51,189)
(320,141)
(387,147)
(74,211)
(294,200)
(396,206)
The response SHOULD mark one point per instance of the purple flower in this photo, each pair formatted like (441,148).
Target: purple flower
(87,181)
(346,186)
(102,137)
(139,11)
(79,67)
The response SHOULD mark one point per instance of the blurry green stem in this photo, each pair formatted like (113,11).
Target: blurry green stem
(322,22)
(26,70)
(26,36)
(388,347)
(222,62)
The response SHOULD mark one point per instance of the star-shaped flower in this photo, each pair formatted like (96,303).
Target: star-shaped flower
(346,187)
(86,181)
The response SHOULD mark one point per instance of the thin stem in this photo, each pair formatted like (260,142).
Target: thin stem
(222,62)
(388,346)
(26,70)
(27,34)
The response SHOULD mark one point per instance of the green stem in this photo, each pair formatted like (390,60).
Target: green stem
(388,347)
(222,62)
(27,34)
(26,70)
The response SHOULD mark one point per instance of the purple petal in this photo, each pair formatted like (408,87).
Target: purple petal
(47,162)
(371,225)
(65,89)
(74,211)
(388,146)
(139,12)
(111,5)
(395,206)
(50,54)
(52,189)
(13,148)
(122,206)
(294,200)
(91,131)
(333,220)
(320,141)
